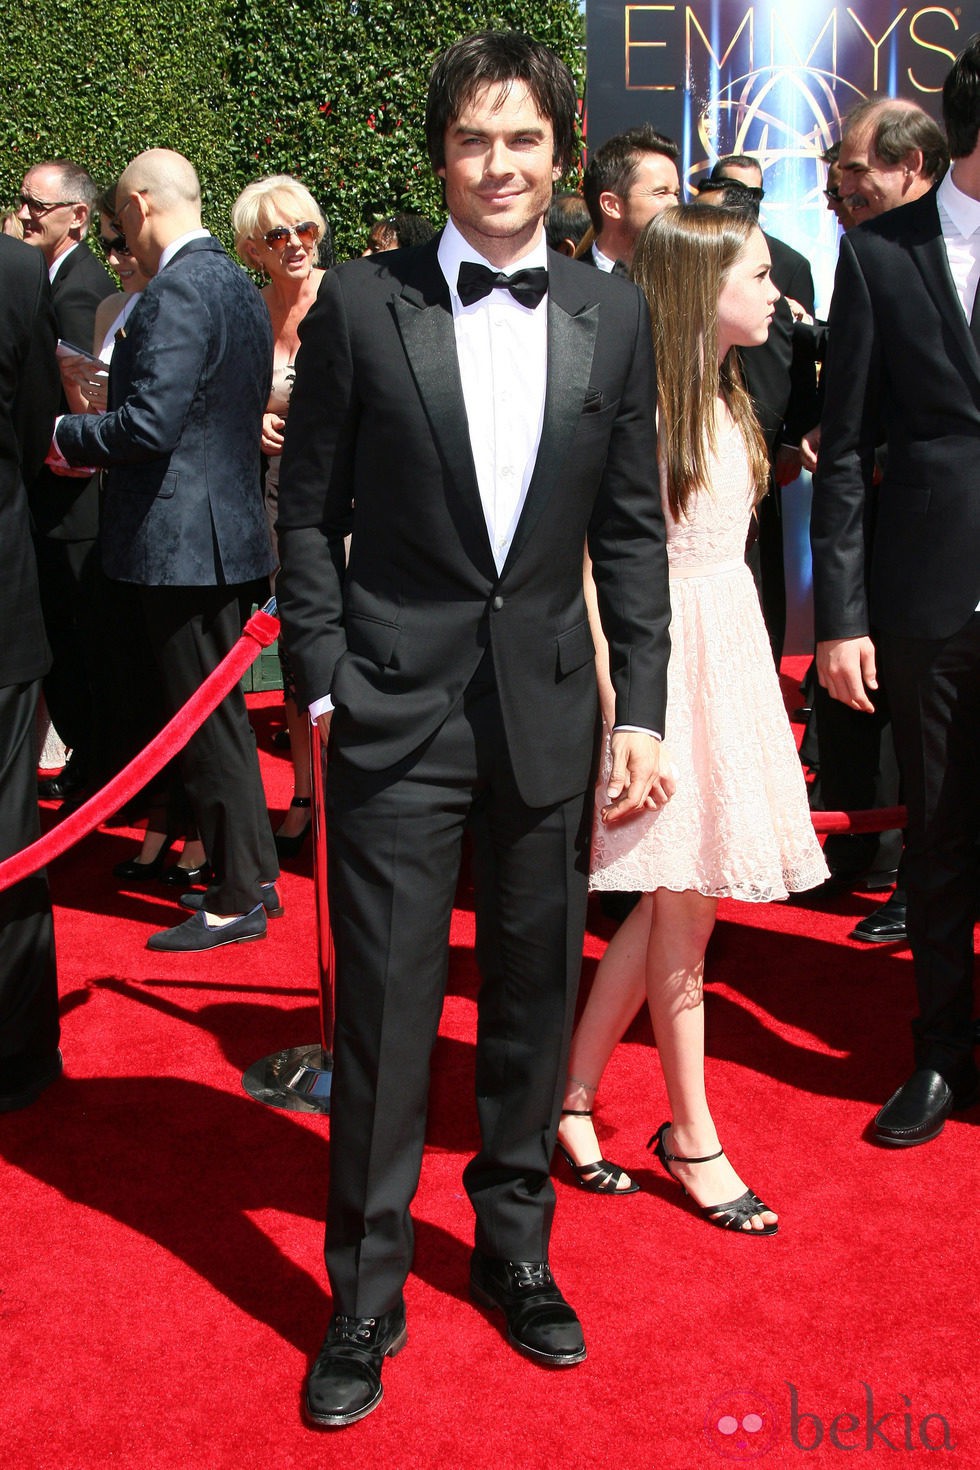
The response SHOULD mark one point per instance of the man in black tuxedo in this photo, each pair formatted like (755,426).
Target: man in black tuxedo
(56,203)
(904,365)
(629,181)
(183,515)
(29,383)
(474,430)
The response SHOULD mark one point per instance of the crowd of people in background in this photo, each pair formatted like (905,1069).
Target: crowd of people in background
(458,498)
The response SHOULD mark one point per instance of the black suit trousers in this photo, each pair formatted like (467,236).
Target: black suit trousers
(29,1026)
(394,853)
(934,692)
(190,629)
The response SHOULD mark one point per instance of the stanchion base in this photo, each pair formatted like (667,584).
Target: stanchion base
(297,1080)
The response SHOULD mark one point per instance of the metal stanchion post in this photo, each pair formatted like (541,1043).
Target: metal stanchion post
(299,1078)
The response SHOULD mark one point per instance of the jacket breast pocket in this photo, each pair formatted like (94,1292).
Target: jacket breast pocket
(167,486)
(575,648)
(371,638)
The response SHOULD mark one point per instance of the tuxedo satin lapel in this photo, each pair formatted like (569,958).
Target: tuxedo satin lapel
(573,322)
(929,252)
(424,318)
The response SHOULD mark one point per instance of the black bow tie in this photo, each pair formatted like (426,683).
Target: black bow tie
(476,281)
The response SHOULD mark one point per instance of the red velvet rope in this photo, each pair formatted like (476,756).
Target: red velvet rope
(878,819)
(261,629)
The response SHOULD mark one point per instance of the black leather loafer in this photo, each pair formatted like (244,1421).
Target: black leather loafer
(344,1383)
(540,1323)
(884,925)
(271,901)
(195,934)
(917,1112)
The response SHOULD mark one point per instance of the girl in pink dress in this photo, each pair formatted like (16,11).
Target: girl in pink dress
(737,824)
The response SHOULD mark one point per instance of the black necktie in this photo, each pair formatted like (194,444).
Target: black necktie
(476,281)
(975,317)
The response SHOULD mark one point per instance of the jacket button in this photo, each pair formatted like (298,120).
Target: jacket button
(497,603)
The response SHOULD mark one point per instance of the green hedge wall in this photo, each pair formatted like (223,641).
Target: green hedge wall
(330,90)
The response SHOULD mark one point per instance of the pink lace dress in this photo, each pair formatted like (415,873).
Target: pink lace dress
(738,824)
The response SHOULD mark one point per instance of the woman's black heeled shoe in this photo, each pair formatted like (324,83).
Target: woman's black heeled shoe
(733,1216)
(133,871)
(602,1177)
(290,847)
(178,877)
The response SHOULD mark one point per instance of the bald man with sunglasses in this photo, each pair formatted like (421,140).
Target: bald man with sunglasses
(183,514)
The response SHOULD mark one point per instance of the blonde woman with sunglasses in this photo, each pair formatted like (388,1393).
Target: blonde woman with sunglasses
(278,228)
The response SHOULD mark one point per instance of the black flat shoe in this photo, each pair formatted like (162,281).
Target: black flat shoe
(290,847)
(731,1216)
(178,877)
(133,871)
(602,1177)
(344,1383)
(540,1323)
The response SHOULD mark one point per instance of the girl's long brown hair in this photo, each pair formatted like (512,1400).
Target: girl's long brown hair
(682,259)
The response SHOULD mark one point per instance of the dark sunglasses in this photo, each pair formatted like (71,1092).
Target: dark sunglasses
(833,195)
(278,238)
(36,208)
(116,243)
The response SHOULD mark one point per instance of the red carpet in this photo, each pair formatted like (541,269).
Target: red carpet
(161,1279)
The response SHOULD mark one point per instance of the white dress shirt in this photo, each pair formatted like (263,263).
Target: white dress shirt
(959,219)
(502,350)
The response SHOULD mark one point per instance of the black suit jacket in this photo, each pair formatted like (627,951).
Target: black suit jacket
(901,364)
(29,388)
(783,382)
(188,385)
(62,507)
(377,441)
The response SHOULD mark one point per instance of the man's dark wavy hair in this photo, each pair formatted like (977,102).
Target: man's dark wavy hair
(494,58)
(961,100)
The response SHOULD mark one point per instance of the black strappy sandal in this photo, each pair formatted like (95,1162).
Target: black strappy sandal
(602,1177)
(733,1216)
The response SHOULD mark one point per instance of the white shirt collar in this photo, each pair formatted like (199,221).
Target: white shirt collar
(453,250)
(602,261)
(963,210)
(171,250)
(56,265)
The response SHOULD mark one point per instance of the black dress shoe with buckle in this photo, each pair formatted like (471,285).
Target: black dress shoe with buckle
(884,925)
(540,1323)
(344,1383)
(917,1112)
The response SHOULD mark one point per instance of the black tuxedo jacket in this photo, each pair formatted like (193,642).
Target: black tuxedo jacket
(62,507)
(29,388)
(377,442)
(903,365)
(188,385)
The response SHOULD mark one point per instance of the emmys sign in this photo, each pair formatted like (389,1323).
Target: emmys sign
(773,80)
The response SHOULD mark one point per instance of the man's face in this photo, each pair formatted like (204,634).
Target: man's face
(53,231)
(499,171)
(869,186)
(656,186)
